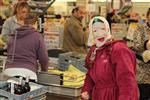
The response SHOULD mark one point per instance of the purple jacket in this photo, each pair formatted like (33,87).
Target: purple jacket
(25,47)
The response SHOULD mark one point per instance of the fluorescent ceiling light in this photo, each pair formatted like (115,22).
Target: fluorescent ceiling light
(65,1)
(140,0)
(101,0)
(131,0)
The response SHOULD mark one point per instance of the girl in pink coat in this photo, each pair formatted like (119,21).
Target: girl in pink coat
(111,66)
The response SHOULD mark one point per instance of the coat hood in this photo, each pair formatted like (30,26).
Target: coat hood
(93,50)
(17,34)
(22,31)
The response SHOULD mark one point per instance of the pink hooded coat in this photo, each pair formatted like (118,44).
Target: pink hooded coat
(111,76)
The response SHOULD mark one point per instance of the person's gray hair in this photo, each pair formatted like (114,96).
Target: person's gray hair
(76,8)
(30,19)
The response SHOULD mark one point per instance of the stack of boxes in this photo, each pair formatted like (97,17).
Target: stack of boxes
(73,58)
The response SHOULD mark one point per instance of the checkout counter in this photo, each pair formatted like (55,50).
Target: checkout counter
(60,97)
(56,90)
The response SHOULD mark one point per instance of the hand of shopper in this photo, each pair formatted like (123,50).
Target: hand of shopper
(148,44)
(85,95)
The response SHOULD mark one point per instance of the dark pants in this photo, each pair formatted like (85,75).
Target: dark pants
(144,91)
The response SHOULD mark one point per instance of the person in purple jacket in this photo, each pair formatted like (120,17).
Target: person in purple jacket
(25,48)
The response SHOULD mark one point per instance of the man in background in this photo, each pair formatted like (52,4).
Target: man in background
(75,36)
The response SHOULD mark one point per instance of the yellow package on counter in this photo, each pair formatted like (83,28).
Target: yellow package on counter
(56,71)
(72,77)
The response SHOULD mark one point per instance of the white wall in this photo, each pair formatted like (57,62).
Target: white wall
(60,6)
(141,7)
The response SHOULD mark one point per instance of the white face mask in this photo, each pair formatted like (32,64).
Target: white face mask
(99,31)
